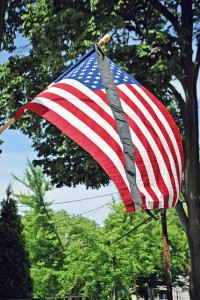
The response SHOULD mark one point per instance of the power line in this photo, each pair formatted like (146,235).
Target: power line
(85,198)
(94,209)
(95,212)
(143,222)
(77,200)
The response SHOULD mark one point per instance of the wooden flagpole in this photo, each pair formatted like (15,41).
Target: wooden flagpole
(11,121)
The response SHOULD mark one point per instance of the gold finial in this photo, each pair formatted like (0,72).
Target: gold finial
(104,39)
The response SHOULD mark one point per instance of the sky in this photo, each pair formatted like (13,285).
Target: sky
(13,160)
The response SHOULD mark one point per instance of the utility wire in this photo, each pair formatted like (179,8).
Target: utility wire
(94,209)
(143,222)
(95,212)
(85,198)
(77,200)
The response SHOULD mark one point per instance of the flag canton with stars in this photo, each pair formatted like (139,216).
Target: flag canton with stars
(88,74)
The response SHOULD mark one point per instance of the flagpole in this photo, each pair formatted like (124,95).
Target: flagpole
(11,121)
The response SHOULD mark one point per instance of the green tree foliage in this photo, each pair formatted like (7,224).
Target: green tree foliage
(140,253)
(44,244)
(93,263)
(160,37)
(15,280)
(98,267)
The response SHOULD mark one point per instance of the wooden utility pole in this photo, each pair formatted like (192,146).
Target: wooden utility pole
(166,255)
(114,267)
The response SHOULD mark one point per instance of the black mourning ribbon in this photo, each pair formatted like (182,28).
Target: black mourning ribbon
(122,124)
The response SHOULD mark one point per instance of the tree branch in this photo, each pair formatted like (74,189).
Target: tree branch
(135,28)
(197,63)
(182,215)
(139,29)
(3,6)
(54,228)
(179,99)
(165,12)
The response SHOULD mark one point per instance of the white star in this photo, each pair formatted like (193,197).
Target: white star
(86,81)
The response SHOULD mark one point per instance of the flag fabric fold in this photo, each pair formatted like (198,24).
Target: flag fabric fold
(77,103)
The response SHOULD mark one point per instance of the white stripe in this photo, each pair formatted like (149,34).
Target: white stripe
(90,94)
(81,105)
(88,111)
(87,131)
(165,123)
(142,108)
(148,199)
(148,165)
(159,157)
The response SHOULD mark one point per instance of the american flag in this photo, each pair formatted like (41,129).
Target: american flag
(77,104)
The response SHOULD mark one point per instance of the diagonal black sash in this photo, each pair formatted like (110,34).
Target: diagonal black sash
(122,124)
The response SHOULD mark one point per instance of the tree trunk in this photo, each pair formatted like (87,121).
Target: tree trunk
(194,246)
(192,184)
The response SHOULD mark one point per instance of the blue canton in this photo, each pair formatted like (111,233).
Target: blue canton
(88,74)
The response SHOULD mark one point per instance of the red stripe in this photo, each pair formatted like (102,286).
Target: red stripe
(87,100)
(159,179)
(89,146)
(159,123)
(145,178)
(166,134)
(102,95)
(146,143)
(170,121)
(140,164)
(89,121)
